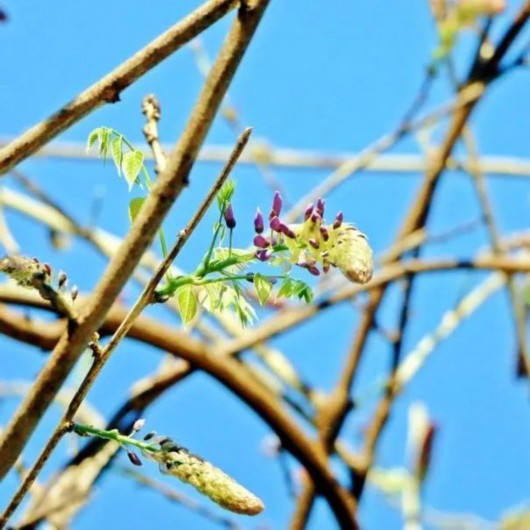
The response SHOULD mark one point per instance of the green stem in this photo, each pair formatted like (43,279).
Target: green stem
(148,182)
(114,435)
(203,269)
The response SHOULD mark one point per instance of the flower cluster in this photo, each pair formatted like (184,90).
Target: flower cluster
(32,274)
(313,243)
(175,460)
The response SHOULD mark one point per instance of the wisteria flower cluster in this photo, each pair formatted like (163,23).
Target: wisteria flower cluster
(175,460)
(313,244)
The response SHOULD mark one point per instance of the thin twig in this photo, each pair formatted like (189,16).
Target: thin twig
(109,88)
(144,299)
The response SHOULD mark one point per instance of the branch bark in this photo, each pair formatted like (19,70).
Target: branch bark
(109,88)
(166,190)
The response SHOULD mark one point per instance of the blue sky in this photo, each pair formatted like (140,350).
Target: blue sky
(317,76)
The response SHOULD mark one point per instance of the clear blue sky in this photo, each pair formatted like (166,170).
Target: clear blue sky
(327,76)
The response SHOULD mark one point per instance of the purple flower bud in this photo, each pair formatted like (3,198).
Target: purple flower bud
(263,255)
(258,222)
(314,243)
(138,425)
(324,232)
(320,207)
(313,270)
(261,242)
(275,224)
(230,220)
(308,211)
(277,203)
(338,220)
(273,281)
(315,217)
(47,268)
(286,231)
(133,457)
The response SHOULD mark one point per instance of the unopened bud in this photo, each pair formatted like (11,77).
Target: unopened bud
(313,270)
(338,221)
(61,279)
(138,425)
(258,222)
(230,220)
(315,216)
(320,207)
(263,255)
(275,224)
(324,232)
(277,203)
(308,211)
(286,231)
(133,457)
(74,292)
(261,241)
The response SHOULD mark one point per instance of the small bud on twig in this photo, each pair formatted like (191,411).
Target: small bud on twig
(261,242)
(277,203)
(138,425)
(338,221)
(61,279)
(74,292)
(258,222)
(275,224)
(229,217)
(133,457)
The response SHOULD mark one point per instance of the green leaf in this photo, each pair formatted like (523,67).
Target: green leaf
(263,288)
(286,288)
(307,294)
(302,291)
(187,303)
(134,207)
(225,194)
(104,138)
(92,138)
(245,311)
(116,147)
(131,165)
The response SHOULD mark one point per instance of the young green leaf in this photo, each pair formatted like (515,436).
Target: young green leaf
(134,207)
(263,288)
(92,139)
(225,194)
(302,291)
(187,303)
(286,288)
(116,147)
(104,139)
(131,165)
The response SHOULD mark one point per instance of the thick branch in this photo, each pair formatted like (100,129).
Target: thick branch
(165,191)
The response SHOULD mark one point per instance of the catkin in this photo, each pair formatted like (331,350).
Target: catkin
(206,478)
